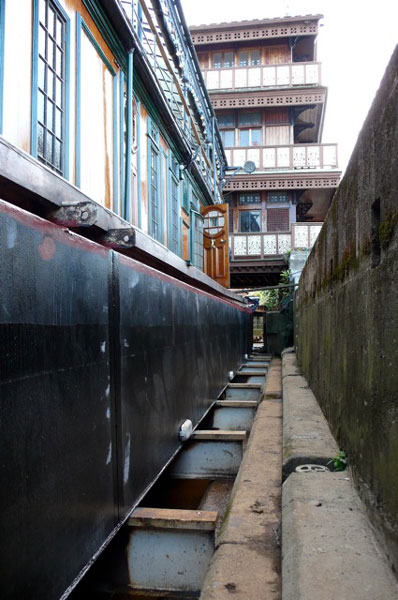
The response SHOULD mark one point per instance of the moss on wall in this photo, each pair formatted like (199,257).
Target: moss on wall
(347,312)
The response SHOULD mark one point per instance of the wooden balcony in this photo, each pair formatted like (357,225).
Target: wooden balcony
(295,156)
(267,76)
(266,245)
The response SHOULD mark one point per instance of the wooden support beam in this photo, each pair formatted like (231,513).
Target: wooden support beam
(172,518)
(251,386)
(218,434)
(237,403)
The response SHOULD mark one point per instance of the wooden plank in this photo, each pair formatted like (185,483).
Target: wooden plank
(173,518)
(251,373)
(237,403)
(257,386)
(218,434)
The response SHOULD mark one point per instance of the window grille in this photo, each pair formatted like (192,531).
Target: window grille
(51,86)
(278,219)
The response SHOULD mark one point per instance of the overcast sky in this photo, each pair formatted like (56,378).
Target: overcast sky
(354,46)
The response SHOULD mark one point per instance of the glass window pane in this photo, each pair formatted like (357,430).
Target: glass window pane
(228,59)
(49,147)
(58,62)
(50,51)
(41,80)
(250,221)
(58,32)
(50,83)
(226,120)
(256,137)
(250,118)
(51,21)
(40,141)
(249,199)
(228,137)
(58,123)
(217,60)
(245,137)
(243,58)
(57,156)
(255,57)
(50,115)
(40,107)
(42,42)
(58,92)
(42,11)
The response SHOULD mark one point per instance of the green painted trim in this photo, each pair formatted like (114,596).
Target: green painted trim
(129,134)
(122,161)
(35,66)
(2,32)
(139,161)
(115,149)
(107,31)
(98,48)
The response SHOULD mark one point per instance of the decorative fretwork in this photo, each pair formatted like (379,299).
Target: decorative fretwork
(284,243)
(314,232)
(254,245)
(270,98)
(301,236)
(259,33)
(270,244)
(283,183)
(298,158)
(240,245)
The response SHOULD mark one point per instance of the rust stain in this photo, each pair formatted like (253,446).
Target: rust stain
(47,248)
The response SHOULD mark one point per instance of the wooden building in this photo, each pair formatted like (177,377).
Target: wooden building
(265,84)
(104,102)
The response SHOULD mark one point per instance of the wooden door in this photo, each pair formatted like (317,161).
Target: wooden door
(215,243)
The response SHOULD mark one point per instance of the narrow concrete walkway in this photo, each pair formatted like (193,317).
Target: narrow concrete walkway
(246,564)
(329,551)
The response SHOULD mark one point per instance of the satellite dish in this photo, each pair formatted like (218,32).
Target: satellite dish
(249,166)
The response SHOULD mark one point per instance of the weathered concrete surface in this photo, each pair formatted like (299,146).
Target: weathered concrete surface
(306,435)
(328,547)
(347,312)
(246,564)
(273,384)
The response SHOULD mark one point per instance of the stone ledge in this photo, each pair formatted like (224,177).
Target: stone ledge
(328,545)
(306,434)
(247,559)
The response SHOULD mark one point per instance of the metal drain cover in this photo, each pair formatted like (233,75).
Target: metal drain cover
(311,469)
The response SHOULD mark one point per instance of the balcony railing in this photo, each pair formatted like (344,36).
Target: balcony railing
(266,76)
(266,245)
(297,156)
(304,235)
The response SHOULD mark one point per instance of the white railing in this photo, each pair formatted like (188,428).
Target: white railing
(258,245)
(304,235)
(297,156)
(263,76)
(265,245)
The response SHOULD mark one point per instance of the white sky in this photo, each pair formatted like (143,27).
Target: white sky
(354,46)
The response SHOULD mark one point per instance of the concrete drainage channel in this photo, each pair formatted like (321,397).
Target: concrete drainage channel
(177,538)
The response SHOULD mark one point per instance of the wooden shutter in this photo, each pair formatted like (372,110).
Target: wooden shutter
(278,219)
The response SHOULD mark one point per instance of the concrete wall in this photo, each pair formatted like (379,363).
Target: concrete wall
(347,312)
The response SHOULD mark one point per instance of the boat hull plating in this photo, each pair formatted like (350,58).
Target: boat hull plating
(102,358)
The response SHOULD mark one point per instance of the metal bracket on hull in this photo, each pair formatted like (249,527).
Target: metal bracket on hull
(120,238)
(75,214)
